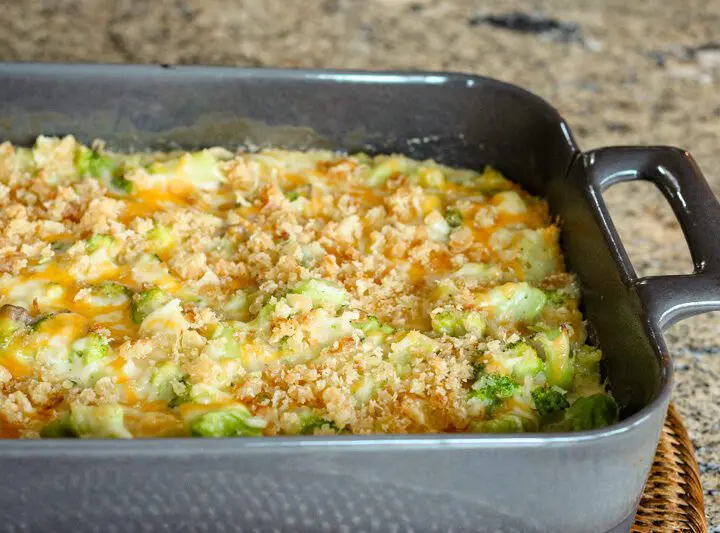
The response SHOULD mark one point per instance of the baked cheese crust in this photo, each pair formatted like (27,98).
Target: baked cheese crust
(212,293)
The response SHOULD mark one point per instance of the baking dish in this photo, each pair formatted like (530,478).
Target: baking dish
(581,482)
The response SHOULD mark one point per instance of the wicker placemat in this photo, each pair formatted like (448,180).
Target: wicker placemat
(673,498)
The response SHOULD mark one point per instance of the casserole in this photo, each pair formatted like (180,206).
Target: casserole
(215,294)
(586,481)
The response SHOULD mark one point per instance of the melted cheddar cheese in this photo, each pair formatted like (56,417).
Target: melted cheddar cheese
(213,293)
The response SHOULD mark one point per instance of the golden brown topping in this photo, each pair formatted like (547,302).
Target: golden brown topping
(324,292)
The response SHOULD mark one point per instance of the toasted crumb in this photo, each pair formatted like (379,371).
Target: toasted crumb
(306,286)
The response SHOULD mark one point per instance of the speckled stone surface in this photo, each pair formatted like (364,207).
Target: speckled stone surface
(640,72)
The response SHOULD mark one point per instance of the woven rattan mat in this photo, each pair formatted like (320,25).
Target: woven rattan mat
(673,498)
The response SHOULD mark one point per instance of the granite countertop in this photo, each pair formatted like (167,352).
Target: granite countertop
(641,72)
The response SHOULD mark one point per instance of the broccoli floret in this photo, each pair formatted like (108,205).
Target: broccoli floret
(292,195)
(202,393)
(413,343)
(492,389)
(13,319)
(167,380)
(372,325)
(104,421)
(549,400)
(237,306)
(134,162)
(90,349)
(60,428)
(525,361)
(121,184)
(474,323)
(505,424)
(587,360)
(386,167)
(588,376)
(233,347)
(591,412)
(554,348)
(234,421)
(146,302)
(491,181)
(91,163)
(448,323)
(430,177)
(453,217)
(556,298)
(478,369)
(149,263)
(461,176)
(488,182)
(479,271)
(509,202)
(202,168)
(99,240)
(309,422)
(262,321)
(458,323)
(160,238)
(110,290)
(183,397)
(322,292)
(513,302)
(538,252)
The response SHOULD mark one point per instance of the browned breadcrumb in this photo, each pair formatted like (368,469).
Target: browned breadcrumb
(228,258)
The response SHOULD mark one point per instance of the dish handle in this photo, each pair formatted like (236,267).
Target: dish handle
(667,299)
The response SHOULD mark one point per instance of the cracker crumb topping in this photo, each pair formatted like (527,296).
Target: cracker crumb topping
(288,292)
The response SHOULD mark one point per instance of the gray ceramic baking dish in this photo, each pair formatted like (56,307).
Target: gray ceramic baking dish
(581,482)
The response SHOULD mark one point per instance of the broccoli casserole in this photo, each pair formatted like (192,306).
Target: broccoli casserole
(215,294)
